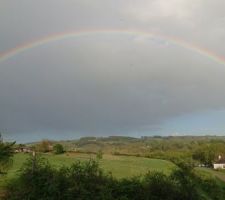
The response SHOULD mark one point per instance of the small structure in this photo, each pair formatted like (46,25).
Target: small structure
(220,164)
(23,149)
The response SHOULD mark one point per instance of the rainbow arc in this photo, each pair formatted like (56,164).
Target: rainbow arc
(81,33)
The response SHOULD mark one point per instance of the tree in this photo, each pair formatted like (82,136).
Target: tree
(205,154)
(58,149)
(99,155)
(6,153)
(44,146)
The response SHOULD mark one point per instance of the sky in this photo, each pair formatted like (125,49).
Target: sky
(74,68)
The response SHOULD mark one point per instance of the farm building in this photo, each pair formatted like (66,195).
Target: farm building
(220,164)
(23,149)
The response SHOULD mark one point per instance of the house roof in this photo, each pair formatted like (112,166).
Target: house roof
(220,161)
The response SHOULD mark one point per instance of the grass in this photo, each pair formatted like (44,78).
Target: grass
(220,175)
(119,166)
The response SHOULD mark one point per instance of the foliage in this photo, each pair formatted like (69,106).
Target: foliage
(79,181)
(6,153)
(58,149)
(99,154)
(44,146)
(205,155)
(85,180)
(119,166)
(203,149)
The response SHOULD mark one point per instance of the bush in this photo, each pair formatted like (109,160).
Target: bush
(158,186)
(58,149)
(44,146)
(85,180)
(99,155)
(38,180)
(6,153)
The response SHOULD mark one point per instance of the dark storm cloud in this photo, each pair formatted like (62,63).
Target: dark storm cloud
(109,83)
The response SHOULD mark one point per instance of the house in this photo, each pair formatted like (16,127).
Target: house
(23,149)
(220,164)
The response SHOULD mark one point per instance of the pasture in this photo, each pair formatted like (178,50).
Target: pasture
(118,166)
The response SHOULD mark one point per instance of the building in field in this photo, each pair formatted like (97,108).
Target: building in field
(220,164)
(23,149)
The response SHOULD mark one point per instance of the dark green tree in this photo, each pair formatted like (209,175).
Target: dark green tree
(6,153)
(99,155)
(58,149)
(205,154)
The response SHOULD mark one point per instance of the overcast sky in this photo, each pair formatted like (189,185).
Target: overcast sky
(111,84)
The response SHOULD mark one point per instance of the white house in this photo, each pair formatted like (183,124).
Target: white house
(220,164)
(23,149)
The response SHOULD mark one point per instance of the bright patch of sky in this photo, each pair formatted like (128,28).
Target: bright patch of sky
(208,122)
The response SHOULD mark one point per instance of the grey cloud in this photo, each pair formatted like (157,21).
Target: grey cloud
(106,83)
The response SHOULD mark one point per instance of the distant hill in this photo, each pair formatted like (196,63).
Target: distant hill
(136,146)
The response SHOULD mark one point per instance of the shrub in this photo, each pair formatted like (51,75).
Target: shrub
(58,149)
(85,180)
(44,146)
(6,153)
(99,155)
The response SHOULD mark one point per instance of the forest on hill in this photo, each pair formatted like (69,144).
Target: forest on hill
(202,150)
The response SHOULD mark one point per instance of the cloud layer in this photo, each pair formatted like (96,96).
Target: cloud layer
(109,83)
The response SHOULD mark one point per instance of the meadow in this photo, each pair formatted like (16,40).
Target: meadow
(152,154)
(118,166)
(125,158)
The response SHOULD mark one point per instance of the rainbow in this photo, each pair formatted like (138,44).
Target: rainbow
(73,34)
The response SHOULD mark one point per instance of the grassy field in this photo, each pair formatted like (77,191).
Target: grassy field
(214,173)
(119,166)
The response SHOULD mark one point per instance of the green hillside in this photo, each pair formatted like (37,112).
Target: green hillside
(119,166)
